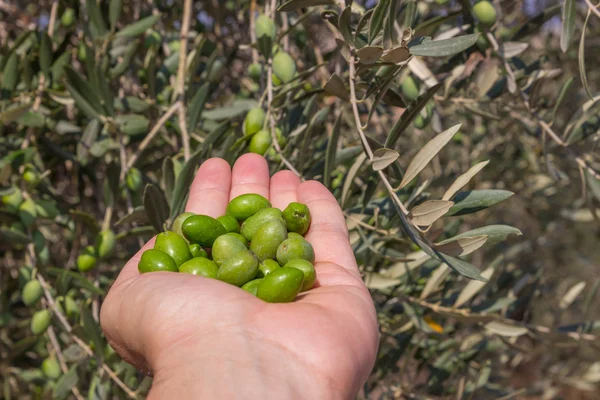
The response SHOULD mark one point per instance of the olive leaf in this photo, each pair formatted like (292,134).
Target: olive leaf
(568,24)
(139,27)
(442,48)
(156,206)
(464,179)
(426,154)
(428,212)
(476,200)
(335,86)
(330,154)
(383,158)
(65,383)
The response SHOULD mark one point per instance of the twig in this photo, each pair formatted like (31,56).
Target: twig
(274,141)
(593,8)
(363,137)
(253,29)
(159,124)
(179,91)
(61,360)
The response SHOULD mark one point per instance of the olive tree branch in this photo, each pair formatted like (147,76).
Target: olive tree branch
(61,360)
(363,137)
(180,88)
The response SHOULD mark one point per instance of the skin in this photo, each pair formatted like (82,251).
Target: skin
(198,335)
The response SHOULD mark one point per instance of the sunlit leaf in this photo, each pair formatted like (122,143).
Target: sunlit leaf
(463,180)
(444,47)
(502,329)
(476,200)
(462,246)
(383,158)
(569,13)
(139,27)
(426,154)
(472,288)
(429,211)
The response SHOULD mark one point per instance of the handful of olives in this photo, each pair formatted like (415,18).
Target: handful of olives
(254,246)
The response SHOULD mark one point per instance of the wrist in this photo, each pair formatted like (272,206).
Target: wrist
(235,365)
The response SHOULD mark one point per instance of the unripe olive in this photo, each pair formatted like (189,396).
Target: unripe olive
(200,266)
(267,239)
(254,121)
(485,13)
(246,205)
(260,142)
(297,217)
(310,275)
(265,26)
(105,244)
(13,200)
(252,286)
(71,307)
(254,71)
(81,52)
(281,286)
(420,122)
(275,80)
(68,18)
(31,177)
(197,251)
(284,67)
(229,223)
(178,223)
(153,260)
(174,46)
(409,88)
(202,229)
(51,368)
(265,267)
(87,259)
(225,247)
(238,237)
(295,235)
(24,275)
(293,249)
(239,268)
(32,292)
(134,179)
(174,245)
(255,222)
(40,321)
(28,212)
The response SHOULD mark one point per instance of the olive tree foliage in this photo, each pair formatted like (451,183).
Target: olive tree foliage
(419,116)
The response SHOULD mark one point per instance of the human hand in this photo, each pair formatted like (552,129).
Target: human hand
(203,338)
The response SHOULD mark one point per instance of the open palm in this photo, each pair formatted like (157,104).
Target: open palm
(323,345)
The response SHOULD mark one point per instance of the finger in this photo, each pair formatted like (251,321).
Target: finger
(328,233)
(284,189)
(130,270)
(250,175)
(209,193)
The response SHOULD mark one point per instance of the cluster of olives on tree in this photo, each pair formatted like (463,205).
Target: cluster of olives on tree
(253,246)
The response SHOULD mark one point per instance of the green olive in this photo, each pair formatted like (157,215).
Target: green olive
(229,223)
(281,286)
(200,266)
(40,321)
(32,292)
(253,224)
(409,88)
(24,275)
(174,245)
(267,239)
(246,205)
(67,18)
(265,26)
(13,200)
(28,212)
(178,223)
(153,260)
(255,71)
(252,286)
(255,119)
(105,244)
(276,81)
(420,122)
(297,217)
(260,142)
(152,38)
(284,67)
(197,251)
(239,237)
(71,307)
(31,177)
(265,267)
(81,52)
(485,13)
(310,275)
(86,261)
(51,368)
(202,229)
(226,246)
(134,179)
(239,268)
(295,249)
(294,235)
